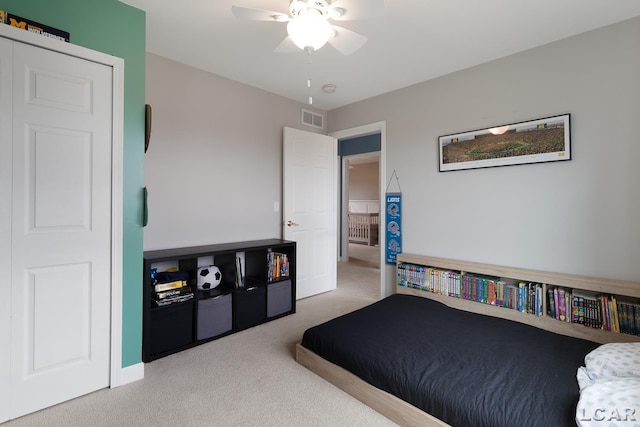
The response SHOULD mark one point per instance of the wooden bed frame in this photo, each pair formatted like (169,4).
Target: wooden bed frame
(405,414)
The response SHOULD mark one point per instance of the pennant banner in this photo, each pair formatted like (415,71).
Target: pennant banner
(393,226)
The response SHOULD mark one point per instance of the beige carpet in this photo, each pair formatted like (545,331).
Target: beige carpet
(363,255)
(246,379)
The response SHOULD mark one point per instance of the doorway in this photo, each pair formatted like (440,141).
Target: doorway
(362,187)
(371,154)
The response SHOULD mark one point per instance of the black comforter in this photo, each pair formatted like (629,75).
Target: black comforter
(466,369)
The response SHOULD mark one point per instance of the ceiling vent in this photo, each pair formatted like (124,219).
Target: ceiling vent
(312,119)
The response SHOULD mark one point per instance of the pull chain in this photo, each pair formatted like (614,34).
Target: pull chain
(310,99)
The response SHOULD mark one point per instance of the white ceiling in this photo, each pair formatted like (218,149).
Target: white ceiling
(415,40)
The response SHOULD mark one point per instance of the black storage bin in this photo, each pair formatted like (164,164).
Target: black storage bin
(214,317)
(250,307)
(172,327)
(278,298)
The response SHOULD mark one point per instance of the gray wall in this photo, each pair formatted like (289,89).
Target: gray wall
(214,165)
(580,216)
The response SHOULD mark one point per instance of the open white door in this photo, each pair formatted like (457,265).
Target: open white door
(309,208)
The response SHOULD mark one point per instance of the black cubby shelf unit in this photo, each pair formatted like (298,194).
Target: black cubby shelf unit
(248,295)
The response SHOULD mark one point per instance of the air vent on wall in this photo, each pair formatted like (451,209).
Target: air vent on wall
(313,119)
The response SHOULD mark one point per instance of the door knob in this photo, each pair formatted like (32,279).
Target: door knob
(292,224)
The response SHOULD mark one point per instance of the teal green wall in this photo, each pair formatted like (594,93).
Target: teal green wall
(117,29)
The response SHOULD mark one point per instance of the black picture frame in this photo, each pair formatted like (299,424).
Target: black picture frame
(534,141)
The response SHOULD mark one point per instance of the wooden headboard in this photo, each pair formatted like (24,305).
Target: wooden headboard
(629,290)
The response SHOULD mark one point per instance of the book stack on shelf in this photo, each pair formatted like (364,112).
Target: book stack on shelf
(277,266)
(593,309)
(170,287)
(525,297)
(559,304)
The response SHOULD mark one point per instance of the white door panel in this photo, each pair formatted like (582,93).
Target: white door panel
(6,118)
(61,228)
(59,91)
(59,286)
(60,179)
(309,202)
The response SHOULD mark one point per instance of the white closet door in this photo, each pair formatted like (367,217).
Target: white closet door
(61,228)
(6,107)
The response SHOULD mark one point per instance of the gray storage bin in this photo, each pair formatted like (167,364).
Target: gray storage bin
(278,298)
(214,316)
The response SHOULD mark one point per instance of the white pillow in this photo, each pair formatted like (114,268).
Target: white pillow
(613,402)
(615,360)
(584,380)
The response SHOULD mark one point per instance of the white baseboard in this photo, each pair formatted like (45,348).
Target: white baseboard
(128,375)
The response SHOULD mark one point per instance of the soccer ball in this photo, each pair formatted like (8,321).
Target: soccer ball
(208,277)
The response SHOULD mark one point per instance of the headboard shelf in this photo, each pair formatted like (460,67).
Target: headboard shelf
(622,290)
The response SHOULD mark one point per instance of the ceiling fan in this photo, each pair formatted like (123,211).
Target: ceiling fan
(308,23)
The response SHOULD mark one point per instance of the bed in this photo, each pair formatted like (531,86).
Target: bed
(363,228)
(465,369)
(419,361)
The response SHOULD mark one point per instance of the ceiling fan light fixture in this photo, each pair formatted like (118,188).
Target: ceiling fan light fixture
(309,30)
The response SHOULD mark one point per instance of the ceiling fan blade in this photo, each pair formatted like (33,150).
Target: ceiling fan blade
(358,9)
(249,14)
(287,46)
(347,41)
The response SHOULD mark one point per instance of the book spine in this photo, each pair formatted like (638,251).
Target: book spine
(551,309)
(615,320)
(575,309)
(170,285)
(560,305)
(521,296)
(607,309)
(540,299)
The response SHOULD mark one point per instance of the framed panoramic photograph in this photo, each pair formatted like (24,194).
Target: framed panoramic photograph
(535,141)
